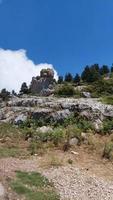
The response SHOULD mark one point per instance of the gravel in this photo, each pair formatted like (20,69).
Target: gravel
(75,184)
(2,191)
(70,182)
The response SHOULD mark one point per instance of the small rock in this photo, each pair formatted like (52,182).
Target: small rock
(73,141)
(44,129)
(86,94)
(74,152)
(84,136)
(97,125)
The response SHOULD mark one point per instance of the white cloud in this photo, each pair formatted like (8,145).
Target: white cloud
(16,68)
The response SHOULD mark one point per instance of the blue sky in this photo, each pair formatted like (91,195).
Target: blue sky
(66,33)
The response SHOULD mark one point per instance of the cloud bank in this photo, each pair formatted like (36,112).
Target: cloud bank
(16,68)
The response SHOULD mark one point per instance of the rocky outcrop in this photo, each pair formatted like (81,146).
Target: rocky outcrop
(55,109)
(44,83)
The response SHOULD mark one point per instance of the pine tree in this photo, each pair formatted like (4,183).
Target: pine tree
(112,68)
(4,94)
(76,79)
(104,70)
(60,79)
(68,77)
(90,74)
(24,88)
(86,73)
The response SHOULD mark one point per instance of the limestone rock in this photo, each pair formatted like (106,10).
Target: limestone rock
(44,129)
(60,116)
(86,94)
(43,85)
(20,119)
(73,141)
(55,109)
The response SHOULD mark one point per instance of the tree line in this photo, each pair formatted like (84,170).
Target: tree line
(89,74)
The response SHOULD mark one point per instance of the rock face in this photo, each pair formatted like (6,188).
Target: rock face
(54,109)
(43,84)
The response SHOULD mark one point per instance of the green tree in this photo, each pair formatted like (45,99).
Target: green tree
(60,79)
(5,95)
(24,88)
(76,79)
(94,75)
(68,77)
(112,68)
(104,70)
(14,93)
(86,73)
(90,74)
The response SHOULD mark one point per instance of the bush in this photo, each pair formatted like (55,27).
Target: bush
(65,90)
(70,161)
(73,131)
(84,125)
(108,150)
(5,95)
(57,136)
(107,99)
(101,88)
(35,147)
(107,126)
(44,137)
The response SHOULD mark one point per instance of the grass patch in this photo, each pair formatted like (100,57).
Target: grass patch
(8,130)
(107,126)
(107,99)
(9,152)
(34,186)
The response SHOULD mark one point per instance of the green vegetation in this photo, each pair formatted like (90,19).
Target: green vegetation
(70,161)
(24,89)
(8,130)
(65,90)
(102,89)
(10,152)
(33,186)
(4,95)
(107,126)
(107,99)
(108,150)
